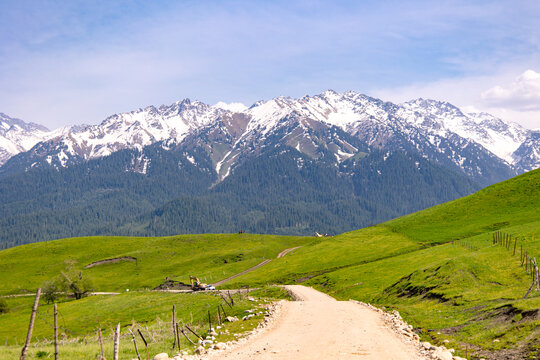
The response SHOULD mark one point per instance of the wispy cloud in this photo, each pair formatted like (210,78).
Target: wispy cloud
(523,94)
(514,102)
(76,61)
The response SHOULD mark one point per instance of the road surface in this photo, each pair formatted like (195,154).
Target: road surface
(316,326)
(280,255)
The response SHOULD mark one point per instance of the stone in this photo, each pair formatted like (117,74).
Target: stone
(206,342)
(441,354)
(426,345)
(220,346)
(200,350)
(458,358)
(231,318)
(161,356)
(446,341)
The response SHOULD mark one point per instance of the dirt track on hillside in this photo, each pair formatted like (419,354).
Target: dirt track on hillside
(281,254)
(317,326)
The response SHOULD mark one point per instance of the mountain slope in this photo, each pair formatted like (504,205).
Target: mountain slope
(280,191)
(328,163)
(17,136)
(478,145)
(440,269)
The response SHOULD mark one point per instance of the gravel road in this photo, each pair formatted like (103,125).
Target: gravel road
(316,326)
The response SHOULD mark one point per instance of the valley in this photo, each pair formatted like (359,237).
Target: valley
(266,180)
(331,163)
(440,268)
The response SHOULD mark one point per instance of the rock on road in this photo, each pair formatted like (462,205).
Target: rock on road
(316,326)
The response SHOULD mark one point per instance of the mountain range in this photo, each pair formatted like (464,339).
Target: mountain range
(330,162)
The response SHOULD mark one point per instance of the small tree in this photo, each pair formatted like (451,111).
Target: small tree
(73,282)
(3,306)
(70,281)
(50,291)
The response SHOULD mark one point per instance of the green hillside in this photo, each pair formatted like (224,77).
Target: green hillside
(438,267)
(210,257)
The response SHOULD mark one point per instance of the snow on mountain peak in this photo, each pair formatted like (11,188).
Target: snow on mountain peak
(372,120)
(17,136)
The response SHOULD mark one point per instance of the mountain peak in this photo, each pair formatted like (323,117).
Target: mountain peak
(419,123)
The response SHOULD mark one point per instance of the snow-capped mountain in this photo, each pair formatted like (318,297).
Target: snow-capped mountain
(17,136)
(336,126)
(527,155)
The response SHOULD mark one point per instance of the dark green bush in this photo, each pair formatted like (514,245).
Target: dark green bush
(3,306)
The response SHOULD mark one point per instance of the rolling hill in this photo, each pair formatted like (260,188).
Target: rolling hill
(439,267)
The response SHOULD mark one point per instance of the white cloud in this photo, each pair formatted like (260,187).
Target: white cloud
(234,106)
(467,94)
(523,94)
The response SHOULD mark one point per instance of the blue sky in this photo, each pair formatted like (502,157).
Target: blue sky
(72,62)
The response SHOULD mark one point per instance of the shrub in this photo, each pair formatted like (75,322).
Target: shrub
(3,306)
(50,291)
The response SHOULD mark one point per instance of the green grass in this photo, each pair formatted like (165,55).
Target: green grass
(438,267)
(422,265)
(210,257)
(148,311)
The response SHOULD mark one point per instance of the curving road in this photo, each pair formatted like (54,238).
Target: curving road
(280,255)
(316,326)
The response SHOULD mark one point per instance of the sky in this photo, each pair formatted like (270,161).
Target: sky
(74,62)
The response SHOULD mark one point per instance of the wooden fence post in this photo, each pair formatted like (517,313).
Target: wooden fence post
(116,341)
(101,344)
(177,336)
(31,325)
(185,335)
(219,316)
(224,313)
(135,344)
(174,325)
(145,343)
(534,272)
(193,332)
(537,277)
(55,332)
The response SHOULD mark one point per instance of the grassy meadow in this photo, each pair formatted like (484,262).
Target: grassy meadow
(210,257)
(438,267)
(148,311)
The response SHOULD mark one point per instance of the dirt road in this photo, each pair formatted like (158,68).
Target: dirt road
(318,327)
(280,255)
